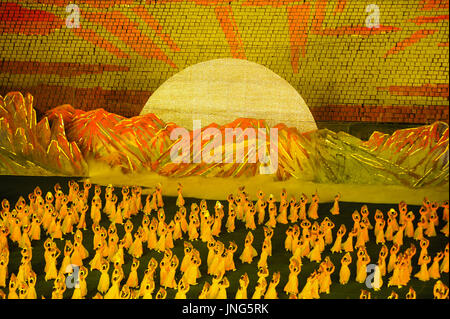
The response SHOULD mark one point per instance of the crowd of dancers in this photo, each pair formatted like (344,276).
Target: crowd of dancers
(58,215)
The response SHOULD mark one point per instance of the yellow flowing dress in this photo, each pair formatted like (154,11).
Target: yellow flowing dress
(315,254)
(344,274)
(347,246)
(423,274)
(133,280)
(291,286)
(114,291)
(161,244)
(312,210)
(3,271)
(271,292)
(337,247)
(52,272)
(104,282)
(306,291)
(136,248)
(190,275)
(248,254)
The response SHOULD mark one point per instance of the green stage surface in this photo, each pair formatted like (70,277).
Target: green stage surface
(11,187)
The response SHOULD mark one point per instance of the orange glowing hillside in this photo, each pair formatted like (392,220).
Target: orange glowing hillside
(66,139)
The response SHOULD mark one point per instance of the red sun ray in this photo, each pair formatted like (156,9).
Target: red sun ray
(433,4)
(298,17)
(340,6)
(151,21)
(199,2)
(355,30)
(424,19)
(131,35)
(229,27)
(320,10)
(319,15)
(27,21)
(414,38)
(98,41)
(224,14)
(91,3)
(275,4)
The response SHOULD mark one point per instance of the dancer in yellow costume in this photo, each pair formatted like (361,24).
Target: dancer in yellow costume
(423,274)
(335,209)
(424,244)
(271,292)
(409,228)
(4,261)
(434,270)
(31,292)
(218,216)
(12,292)
(440,290)
(445,261)
(431,228)
(249,251)
(337,247)
(361,271)
(182,290)
(392,257)
(272,222)
(104,282)
(263,256)
(291,286)
(380,238)
(128,238)
(223,285)
(308,291)
(326,269)
(250,219)
(421,225)
(180,200)
(35,230)
(192,272)
(243,284)
(136,249)
(133,280)
(51,272)
(344,273)
(382,260)
(398,237)
(315,253)
(282,214)
(169,280)
(347,246)
(229,259)
(314,207)
(96,262)
(302,211)
(114,290)
(68,250)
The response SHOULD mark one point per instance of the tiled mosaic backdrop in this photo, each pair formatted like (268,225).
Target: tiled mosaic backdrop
(123,50)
